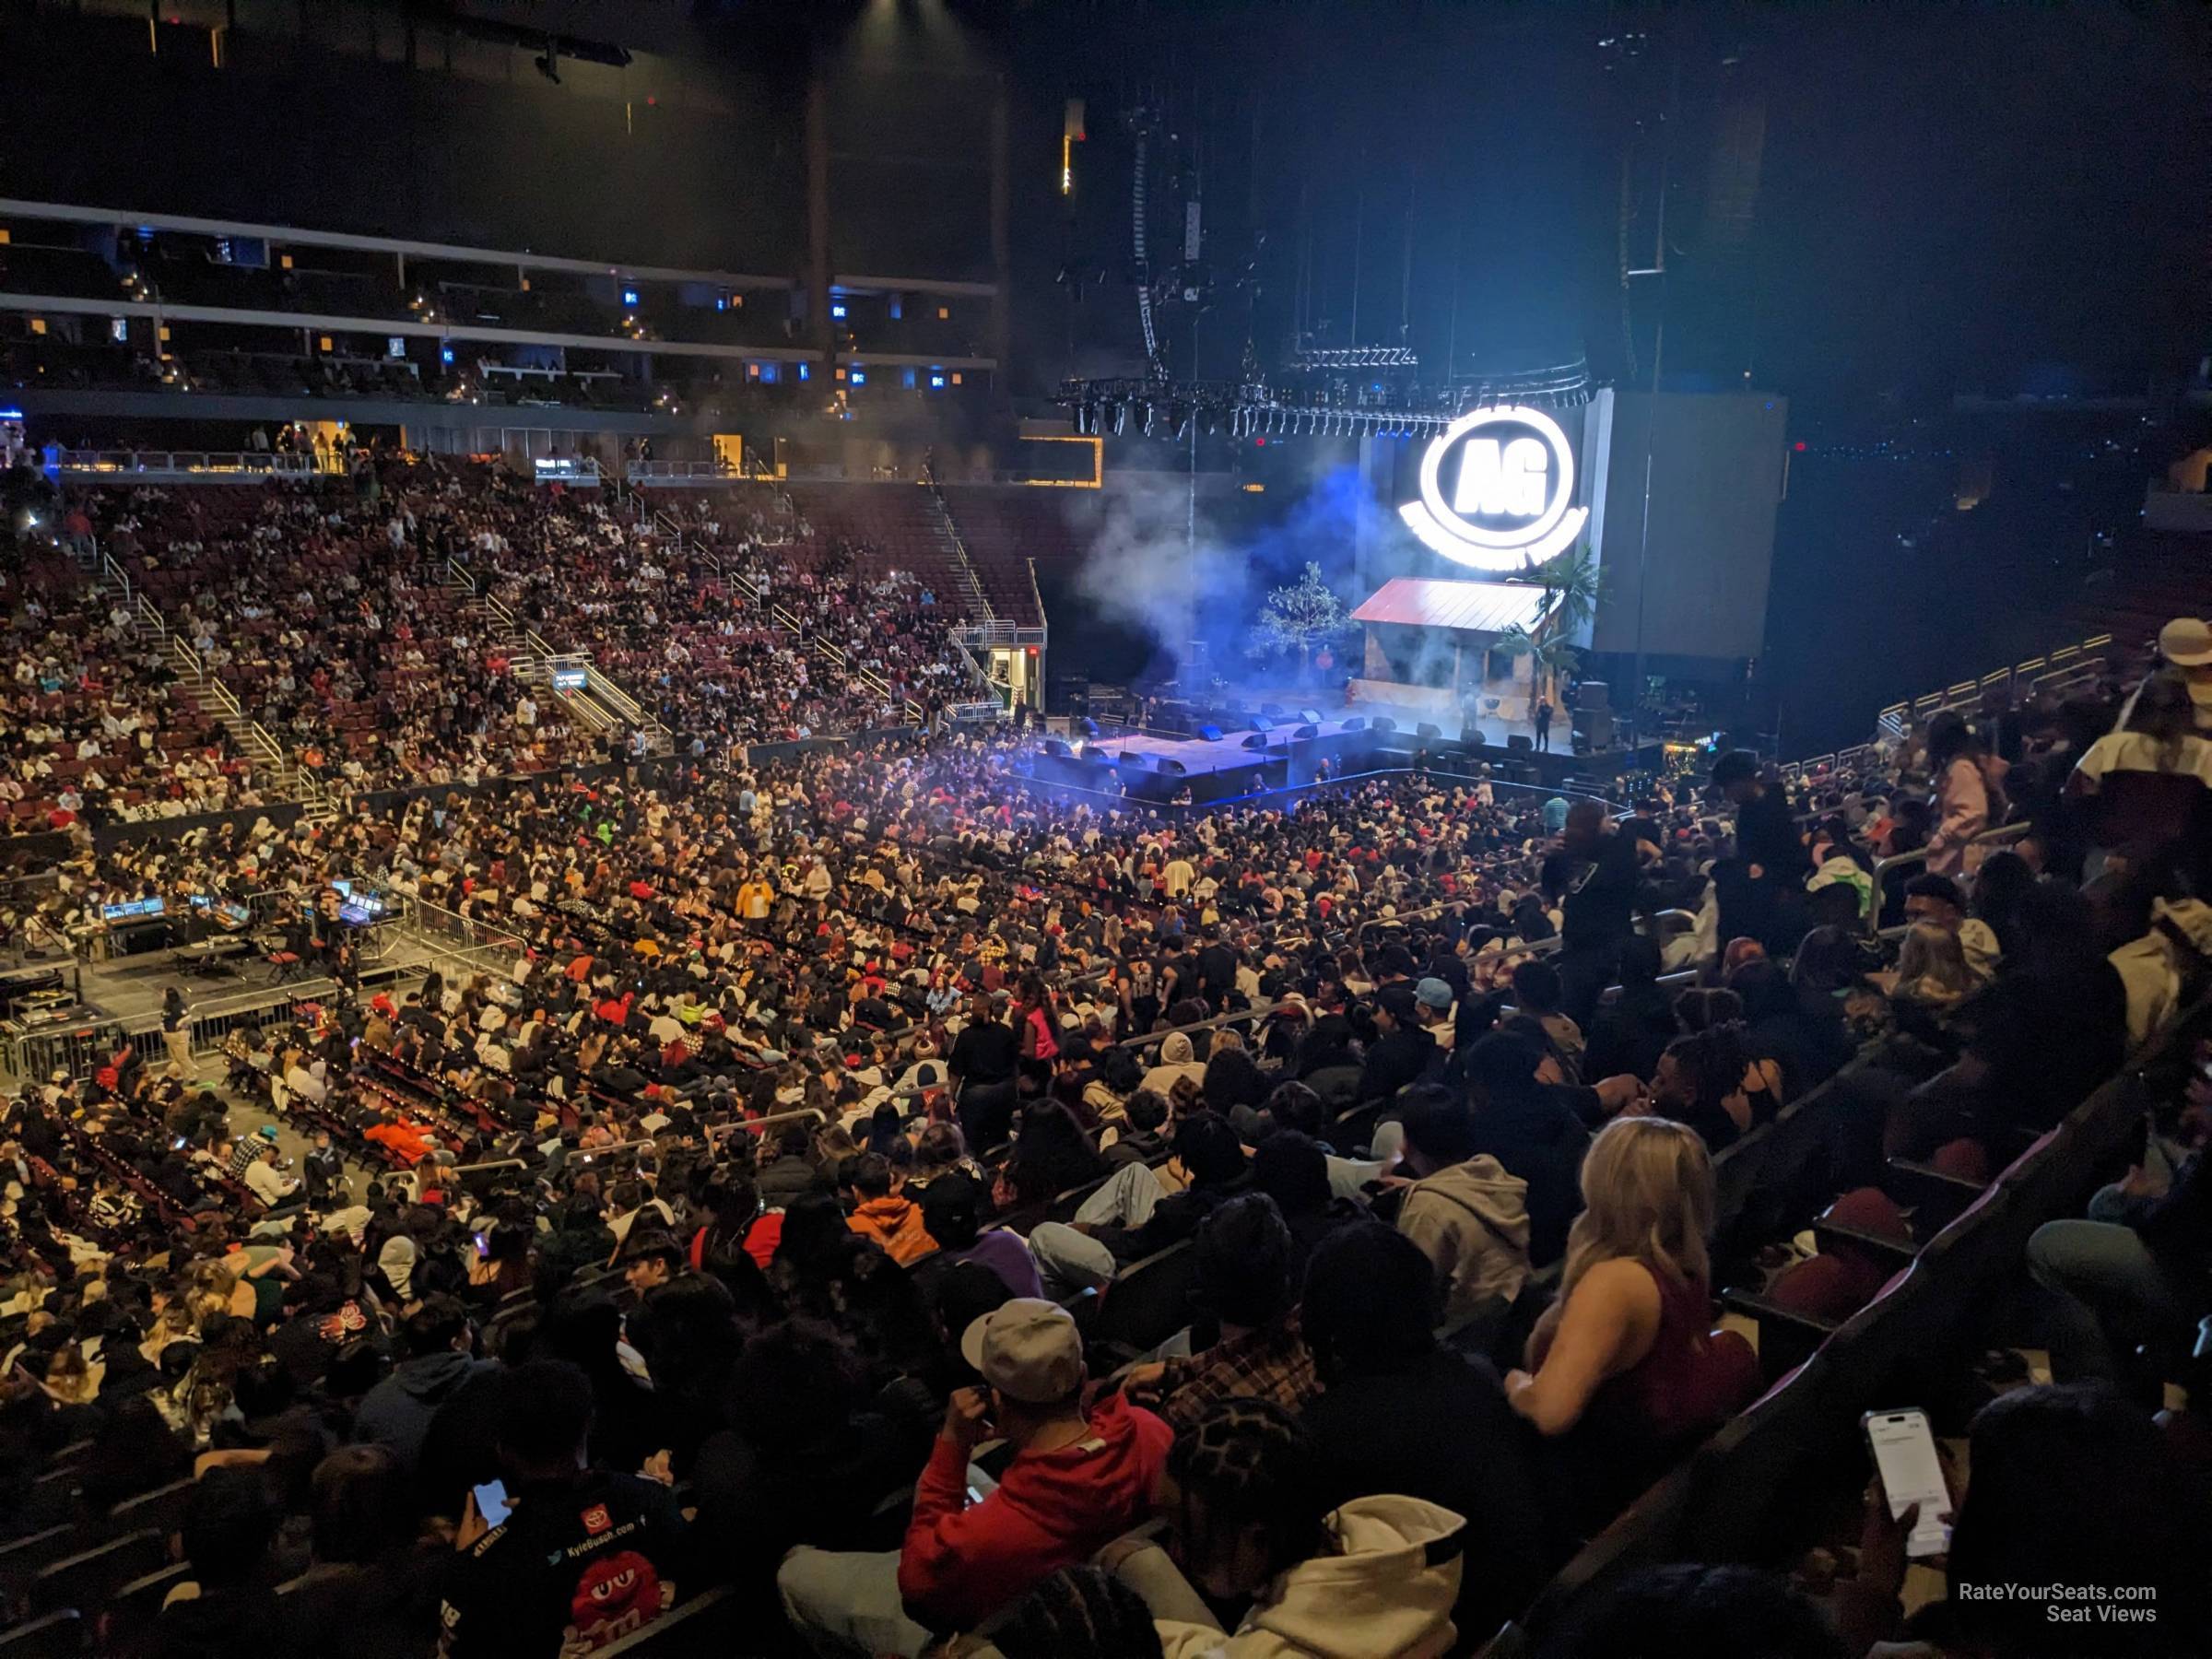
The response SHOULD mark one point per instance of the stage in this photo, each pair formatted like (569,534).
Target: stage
(1144,767)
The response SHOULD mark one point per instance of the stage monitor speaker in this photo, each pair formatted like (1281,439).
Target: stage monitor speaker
(1591,694)
(1255,740)
(1135,760)
(1259,722)
(1211,734)
(1273,711)
(1309,716)
(1305,734)
(1174,768)
(1521,743)
(1356,723)
(1058,748)
(1426,731)
(1087,726)
(1383,723)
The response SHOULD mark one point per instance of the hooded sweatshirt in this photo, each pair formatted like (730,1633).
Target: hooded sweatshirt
(1052,1509)
(1178,1059)
(397,1413)
(1471,1221)
(894,1222)
(1387,1590)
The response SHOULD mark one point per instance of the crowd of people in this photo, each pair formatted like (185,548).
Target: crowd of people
(363,653)
(92,724)
(939,1219)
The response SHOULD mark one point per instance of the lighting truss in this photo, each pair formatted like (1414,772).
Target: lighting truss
(1357,356)
(1250,406)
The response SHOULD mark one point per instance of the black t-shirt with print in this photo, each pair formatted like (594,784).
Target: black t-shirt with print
(577,1566)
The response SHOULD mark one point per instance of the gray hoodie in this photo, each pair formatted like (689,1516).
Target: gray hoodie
(1471,1221)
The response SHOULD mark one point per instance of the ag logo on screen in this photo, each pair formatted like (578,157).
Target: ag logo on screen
(1497,488)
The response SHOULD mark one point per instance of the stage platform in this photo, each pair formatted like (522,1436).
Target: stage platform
(130,989)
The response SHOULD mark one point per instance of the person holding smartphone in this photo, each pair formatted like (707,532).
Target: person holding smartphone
(581,1557)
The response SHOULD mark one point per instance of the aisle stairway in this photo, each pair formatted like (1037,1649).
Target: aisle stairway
(282,778)
(600,704)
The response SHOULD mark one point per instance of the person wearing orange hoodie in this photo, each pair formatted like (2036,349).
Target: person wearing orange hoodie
(407,1141)
(1078,1481)
(886,1214)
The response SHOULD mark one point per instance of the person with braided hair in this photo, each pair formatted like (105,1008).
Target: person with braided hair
(1263,1568)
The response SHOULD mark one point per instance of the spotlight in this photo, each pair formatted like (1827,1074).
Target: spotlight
(1149,411)
(1120,416)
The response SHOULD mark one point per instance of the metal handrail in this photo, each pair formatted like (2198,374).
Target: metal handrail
(979,601)
(2002,834)
(255,461)
(2067,665)
(756,1124)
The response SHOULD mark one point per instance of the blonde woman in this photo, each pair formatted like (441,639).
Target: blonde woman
(1931,967)
(1628,1344)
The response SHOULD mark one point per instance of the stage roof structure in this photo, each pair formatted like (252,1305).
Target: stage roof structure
(1489,607)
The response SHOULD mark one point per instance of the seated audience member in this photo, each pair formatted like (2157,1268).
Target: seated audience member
(1245,1255)
(952,1213)
(1519,1121)
(226,1604)
(583,1556)
(1453,1440)
(1708,1081)
(1142,1140)
(1403,1051)
(1691,1612)
(807,1459)
(376,1582)
(1932,974)
(2045,1032)
(1076,1480)
(1132,1216)
(886,1215)
(1803,1037)
(1268,1570)
(439,1343)
(1628,1034)
(1941,903)
(1077,1613)
(1292,1168)
(2134,1275)
(1628,1350)
(2038,1461)
(1470,1217)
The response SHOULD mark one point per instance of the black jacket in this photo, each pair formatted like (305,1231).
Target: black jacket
(1454,1441)
(1540,1140)
(580,1562)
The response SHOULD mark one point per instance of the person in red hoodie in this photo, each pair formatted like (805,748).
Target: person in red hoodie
(1077,1482)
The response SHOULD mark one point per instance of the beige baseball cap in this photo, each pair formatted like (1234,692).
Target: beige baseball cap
(2186,642)
(1029,1349)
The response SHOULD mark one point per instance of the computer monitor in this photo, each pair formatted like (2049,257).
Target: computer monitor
(131,911)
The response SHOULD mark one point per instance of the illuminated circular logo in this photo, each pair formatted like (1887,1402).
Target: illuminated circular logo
(1497,491)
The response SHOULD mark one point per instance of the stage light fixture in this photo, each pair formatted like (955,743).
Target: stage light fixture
(1120,417)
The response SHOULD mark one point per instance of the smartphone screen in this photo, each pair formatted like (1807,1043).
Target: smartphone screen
(1904,1454)
(491,1502)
